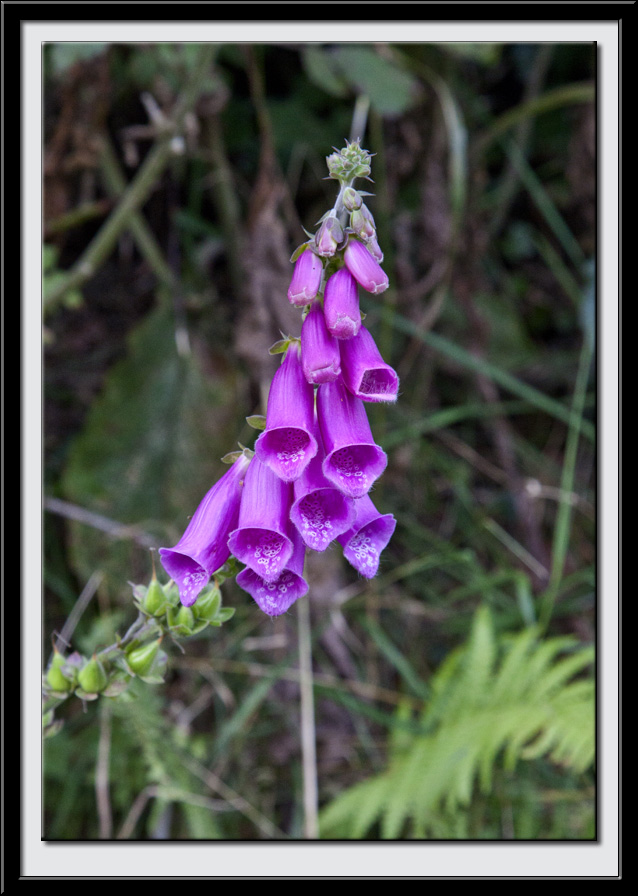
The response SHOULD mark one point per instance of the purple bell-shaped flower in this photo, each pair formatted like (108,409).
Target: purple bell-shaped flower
(364,371)
(275,597)
(320,357)
(369,535)
(306,279)
(203,548)
(288,443)
(353,461)
(262,539)
(320,511)
(364,267)
(341,304)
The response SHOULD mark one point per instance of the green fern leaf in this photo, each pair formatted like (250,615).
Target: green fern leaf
(513,697)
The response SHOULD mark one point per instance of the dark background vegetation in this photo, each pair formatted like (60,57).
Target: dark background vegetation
(485,202)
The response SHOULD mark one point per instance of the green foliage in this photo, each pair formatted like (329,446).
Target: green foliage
(498,700)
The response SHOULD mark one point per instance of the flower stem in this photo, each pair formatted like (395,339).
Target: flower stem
(308,747)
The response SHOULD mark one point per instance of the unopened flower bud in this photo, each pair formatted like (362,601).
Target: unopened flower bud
(208,603)
(155,601)
(351,199)
(92,678)
(58,678)
(362,222)
(141,659)
(364,267)
(306,279)
(350,162)
(328,237)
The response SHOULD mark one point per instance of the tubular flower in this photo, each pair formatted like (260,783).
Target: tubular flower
(369,535)
(288,443)
(203,548)
(353,461)
(320,511)
(328,237)
(364,267)
(320,357)
(306,279)
(262,539)
(364,371)
(275,597)
(341,304)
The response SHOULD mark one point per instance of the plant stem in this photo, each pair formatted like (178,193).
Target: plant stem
(140,187)
(308,747)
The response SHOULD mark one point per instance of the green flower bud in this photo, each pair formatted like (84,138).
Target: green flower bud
(208,603)
(351,199)
(350,162)
(140,659)
(155,601)
(56,679)
(92,678)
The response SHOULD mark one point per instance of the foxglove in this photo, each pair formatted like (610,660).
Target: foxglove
(287,444)
(275,597)
(364,267)
(369,535)
(262,539)
(328,237)
(320,511)
(306,279)
(353,461)
(203,548)
(364,371)
(341,304)
(320,356)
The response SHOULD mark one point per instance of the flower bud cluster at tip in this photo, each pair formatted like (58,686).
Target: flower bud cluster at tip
(315,461)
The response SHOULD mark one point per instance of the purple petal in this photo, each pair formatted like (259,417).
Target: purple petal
(319,349)
(275,597)
(353,461)
(306,279)
(320,511)
(364,372)
(370,534)
(262,538)
(203,548)
(341,305)
(287,444)
(364,267)
(328,237)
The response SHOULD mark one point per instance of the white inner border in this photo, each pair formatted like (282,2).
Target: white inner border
(210,860)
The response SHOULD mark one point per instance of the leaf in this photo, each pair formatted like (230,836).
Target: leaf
(391,90)
(323,72)
(503,696)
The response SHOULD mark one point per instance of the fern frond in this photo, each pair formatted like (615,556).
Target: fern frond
(513,697)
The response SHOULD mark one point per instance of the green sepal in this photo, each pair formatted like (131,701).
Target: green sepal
(224,614)
(117,686)
(182,622)
(301,249)
(279,347)
(257,421)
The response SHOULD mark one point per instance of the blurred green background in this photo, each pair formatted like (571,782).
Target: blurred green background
(454,693)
